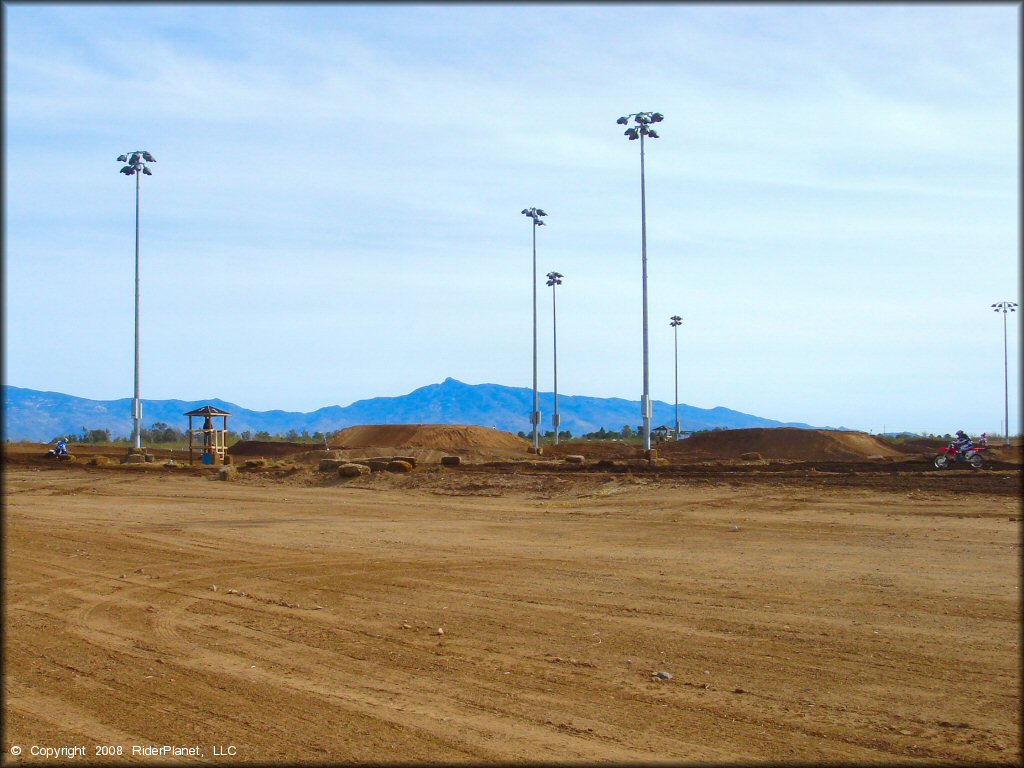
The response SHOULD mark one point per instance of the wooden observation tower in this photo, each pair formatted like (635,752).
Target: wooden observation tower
(210,442)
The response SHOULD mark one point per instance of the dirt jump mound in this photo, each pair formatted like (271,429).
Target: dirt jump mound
(445,437)
(783,443)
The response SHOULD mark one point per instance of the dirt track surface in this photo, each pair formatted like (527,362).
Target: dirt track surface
(801,620)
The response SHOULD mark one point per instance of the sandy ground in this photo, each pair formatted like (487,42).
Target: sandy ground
(810,614)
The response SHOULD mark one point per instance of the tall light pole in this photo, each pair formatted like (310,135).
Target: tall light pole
(555,278)
(676,322)
(535,214)
(136,166)
(642,128)
(1004,307)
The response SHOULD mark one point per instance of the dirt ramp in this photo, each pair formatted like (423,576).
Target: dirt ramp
(445,437)
(782,443)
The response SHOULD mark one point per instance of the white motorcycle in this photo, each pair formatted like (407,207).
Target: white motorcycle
(59,452)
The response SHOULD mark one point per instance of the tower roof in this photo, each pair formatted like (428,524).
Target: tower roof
(207,410)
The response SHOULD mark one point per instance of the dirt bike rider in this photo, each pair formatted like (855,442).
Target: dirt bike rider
(62,447)
(962,442)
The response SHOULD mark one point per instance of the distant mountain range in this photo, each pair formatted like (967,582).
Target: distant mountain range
(40,416)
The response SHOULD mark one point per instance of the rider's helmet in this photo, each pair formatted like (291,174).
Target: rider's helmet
(960,433)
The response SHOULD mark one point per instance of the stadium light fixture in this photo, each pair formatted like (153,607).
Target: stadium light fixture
(535,214)
(676,321)
(1005,307)
(136,166)
(639,131)
(555,279)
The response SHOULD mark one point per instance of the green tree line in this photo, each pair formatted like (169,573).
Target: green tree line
(160,433)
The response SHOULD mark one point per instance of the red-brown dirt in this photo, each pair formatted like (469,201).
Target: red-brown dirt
(511,614)
(920,445)
(776,443)
(437,436)
(782,443)
(269,448)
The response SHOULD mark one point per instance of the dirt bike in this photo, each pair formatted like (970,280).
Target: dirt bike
(950,455)
(60,453)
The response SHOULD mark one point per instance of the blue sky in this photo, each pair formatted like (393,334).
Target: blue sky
(334,213)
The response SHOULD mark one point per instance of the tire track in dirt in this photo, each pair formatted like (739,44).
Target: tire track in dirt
(91,615)
(274,652)
(95,623)
(524,589)
(395,700)
(60,714)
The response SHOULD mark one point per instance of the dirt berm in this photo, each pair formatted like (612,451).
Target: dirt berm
(437,436)
(270,448)
(781,443)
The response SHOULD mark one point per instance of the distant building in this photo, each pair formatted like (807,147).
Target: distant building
(662,433)
(665,432)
